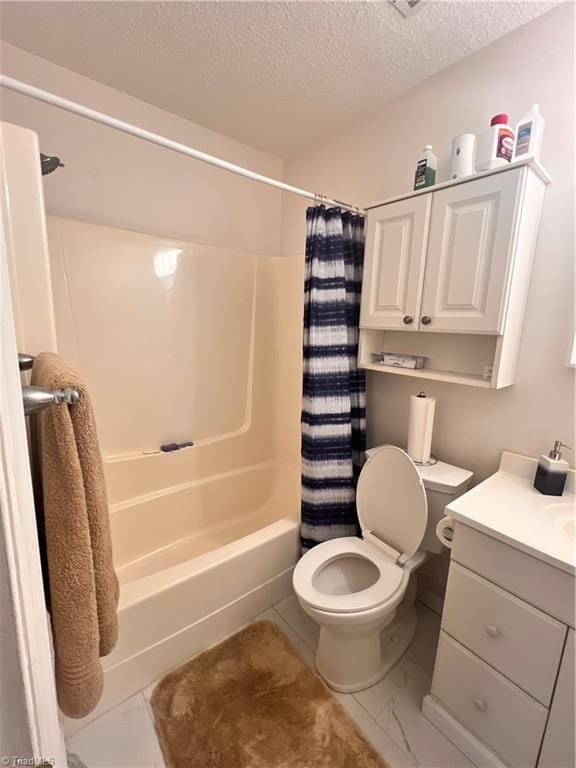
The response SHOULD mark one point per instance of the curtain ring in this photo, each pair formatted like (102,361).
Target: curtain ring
(319,199)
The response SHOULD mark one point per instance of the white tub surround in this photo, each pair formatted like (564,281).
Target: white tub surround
(206,537)
(503,686)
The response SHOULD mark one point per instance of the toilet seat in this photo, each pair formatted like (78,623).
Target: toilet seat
(390,579)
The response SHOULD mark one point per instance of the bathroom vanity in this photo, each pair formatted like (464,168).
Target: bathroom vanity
(503,684)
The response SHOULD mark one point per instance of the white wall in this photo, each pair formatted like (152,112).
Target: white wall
(115,179)
(375,158)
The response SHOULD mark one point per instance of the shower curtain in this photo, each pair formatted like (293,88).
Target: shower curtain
(333,403)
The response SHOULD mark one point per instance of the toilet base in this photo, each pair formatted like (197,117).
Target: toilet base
(374,654)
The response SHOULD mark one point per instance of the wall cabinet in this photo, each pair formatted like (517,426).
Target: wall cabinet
(394,263)
(453,260)
(470,248)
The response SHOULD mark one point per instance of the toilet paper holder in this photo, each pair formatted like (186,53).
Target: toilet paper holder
(445,532)
(430,463)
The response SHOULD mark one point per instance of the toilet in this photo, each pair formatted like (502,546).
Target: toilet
(361,592)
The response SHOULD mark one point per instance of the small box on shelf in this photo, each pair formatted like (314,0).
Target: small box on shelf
(399,360)
(456,358)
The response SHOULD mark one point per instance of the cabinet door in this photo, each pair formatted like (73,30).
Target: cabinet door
(470,250)
(394,264)
(558,747)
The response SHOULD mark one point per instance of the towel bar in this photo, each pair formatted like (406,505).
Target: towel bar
(37,398)
(25,362)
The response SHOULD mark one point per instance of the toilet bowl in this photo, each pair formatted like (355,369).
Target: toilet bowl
(361,591)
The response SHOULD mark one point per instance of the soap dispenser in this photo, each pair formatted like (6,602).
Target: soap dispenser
(552,472)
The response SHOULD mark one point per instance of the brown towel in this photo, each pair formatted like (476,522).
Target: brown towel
(83,588)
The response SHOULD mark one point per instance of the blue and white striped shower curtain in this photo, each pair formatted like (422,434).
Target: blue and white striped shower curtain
(333,403)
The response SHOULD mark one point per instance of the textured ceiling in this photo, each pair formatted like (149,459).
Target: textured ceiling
(275,75)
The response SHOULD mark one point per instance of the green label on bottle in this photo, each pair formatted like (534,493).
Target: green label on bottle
(425,176)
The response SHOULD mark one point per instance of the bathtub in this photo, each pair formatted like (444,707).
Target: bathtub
(206,348)
(196,562)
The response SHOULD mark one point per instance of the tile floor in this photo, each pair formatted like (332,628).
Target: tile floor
(388,713)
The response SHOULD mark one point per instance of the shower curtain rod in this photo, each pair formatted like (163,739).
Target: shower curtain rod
(155,138)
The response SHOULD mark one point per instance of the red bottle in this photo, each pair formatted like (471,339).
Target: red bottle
(495,147)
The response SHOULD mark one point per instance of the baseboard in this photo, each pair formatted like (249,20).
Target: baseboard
(473,748)
(431,600)
(141,670)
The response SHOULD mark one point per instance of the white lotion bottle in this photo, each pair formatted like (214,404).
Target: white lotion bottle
(529,132)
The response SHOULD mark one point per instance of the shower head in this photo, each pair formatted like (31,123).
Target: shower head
(49,163)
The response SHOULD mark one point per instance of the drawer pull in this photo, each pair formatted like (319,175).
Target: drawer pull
(480,704)
(492,631)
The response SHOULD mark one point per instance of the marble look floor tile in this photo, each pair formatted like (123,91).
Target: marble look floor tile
(375,698)
(376,735)
(423,648)
(404,722)
(122,738)
(147,692)
(303,625)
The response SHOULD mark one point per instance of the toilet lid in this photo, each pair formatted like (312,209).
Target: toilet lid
(391,500)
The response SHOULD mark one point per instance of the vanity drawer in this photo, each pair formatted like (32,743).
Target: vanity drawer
(490,706)
(535,581)
(520,641)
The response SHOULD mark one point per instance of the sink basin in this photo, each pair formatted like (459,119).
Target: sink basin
(506,506)
(569,529)
(564,517)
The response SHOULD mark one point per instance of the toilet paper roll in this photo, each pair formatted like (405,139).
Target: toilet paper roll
(420,427)
(445,532)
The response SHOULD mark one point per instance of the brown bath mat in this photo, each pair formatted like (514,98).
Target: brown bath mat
(252,702)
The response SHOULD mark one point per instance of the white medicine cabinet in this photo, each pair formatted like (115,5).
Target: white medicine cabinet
(447,273)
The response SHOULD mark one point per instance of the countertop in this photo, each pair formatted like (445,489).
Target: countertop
(507,507)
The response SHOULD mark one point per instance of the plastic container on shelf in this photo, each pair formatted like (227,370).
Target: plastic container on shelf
(399,359)
(495,146)
(529,132)
(462,156)
(425,175)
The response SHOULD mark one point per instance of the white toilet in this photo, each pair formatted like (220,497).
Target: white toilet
(360,591)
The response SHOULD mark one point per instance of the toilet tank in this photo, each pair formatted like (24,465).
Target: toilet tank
(443,483)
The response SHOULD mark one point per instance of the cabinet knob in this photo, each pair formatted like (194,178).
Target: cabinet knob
(408,319)
(492,631)
(426,320)
(480,704)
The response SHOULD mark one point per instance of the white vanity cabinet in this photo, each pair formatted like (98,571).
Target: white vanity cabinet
(451,261)
(558,747)
(503,689)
